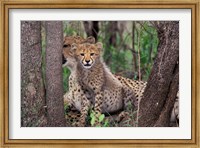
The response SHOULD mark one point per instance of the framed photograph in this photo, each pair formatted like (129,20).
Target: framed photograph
(103,73)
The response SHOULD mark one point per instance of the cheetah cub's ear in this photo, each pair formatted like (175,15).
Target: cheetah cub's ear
(99,46)
(90,40)
(73,48)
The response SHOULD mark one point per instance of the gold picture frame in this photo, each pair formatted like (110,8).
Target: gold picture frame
(182,4)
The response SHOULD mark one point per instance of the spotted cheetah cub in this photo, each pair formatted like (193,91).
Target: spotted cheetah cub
(137,86)
(109,95)
(75,97)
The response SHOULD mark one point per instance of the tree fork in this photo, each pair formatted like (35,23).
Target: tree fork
(162,75)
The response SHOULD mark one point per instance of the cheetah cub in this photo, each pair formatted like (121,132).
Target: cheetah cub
(109,95)
(75,97)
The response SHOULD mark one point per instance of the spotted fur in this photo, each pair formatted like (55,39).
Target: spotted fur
(76,96)
(109,93)
(72,97)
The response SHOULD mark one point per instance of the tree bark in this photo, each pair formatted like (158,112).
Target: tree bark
(134,61)
(32,88)
(87,26)
(164,118)
(95,29)
(159,96)
(91,28)
(113,30)
(54,88)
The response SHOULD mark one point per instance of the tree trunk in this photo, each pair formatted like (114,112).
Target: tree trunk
(91,28)
(160,93)
(134,61)
(95,29)
(32,88)
(113,29)
(87,26)
(54,87)
(164,118)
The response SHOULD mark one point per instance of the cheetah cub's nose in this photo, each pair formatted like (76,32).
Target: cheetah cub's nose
(87,61)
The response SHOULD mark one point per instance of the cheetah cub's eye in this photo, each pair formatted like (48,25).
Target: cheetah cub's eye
(82,54)
(66,45)
(91,54)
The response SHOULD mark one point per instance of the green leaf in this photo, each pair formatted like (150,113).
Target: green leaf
(92,114)
(106,123)
(101,117)
(93,121)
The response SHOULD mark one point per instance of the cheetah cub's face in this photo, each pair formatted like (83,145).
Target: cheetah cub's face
(87,54)
(68,56)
